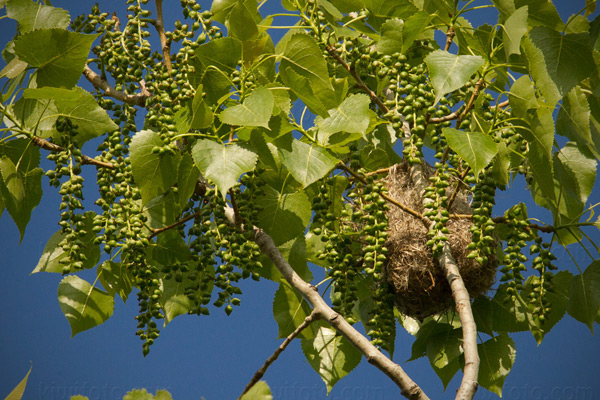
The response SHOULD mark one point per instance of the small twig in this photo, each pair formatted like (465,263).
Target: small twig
(238,218)
(378,171)
(449,38)
(541,228)
(501,105)
(174,224)
(102,84)
(457,188)
(46,145)
(359,83)
(383,195)
(261,372)
(160,28)
(471,101)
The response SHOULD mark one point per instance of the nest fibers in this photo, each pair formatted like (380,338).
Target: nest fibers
(419,284)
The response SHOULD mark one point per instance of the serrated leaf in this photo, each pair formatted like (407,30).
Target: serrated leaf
(222,54)
(497,357)
(576,174)
(476,148)
(154,174)
(573,121)
(429,331)
(289,310)
(58,54)
(223,164)
(284,216)
(522,96)
(255,110)
(351,116)
(306,162)
(381,10)
(449,72)
(21,188)
(444,347)
(33,16)
(76,104)
(240,22)
(397,35)
(116,279)
(514,29)
(170,248)
(174,300)
(508,314)
(332,356)
(260,391)
(195,114)
(447,372)
(53,254)
(303,88)
(162,210)
(557,62)
(303,55)
(584,295)
(19,390)
(84,305)
(187,178)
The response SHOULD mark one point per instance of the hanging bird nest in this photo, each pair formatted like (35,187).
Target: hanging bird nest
(420,286)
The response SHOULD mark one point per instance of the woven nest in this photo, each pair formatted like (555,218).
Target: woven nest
(420,287)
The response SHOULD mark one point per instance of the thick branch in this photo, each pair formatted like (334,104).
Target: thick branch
(407,386)
(261,372)
(160,27)
(46,145)
(462,300)
(102,84)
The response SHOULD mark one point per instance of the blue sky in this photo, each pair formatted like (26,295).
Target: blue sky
(214,357)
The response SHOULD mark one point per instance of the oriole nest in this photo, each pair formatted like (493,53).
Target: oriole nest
(419,284)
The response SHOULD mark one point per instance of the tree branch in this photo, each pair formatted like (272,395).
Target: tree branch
(46,145)
(261,372)
(174,224)
(102,84)
(449,38)
(160,27)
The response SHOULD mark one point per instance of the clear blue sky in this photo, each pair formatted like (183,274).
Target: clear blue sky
(214,357)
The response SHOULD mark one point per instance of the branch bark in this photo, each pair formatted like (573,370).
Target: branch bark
(261,372)
(102,84)
(321,310)
(46,145)
(160,27)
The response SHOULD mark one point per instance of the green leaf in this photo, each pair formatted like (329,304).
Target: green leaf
(505,313)
(303,88)
(497,357)
(21,187)
(163,210)
(79,397)
(255,110)
(514,29)
(283,216)
(170,248)
(332,356)
(351,116)
(53,254)
(557,62)
(476,148)
(303,56)
(222,54)
(447,373)
(14,68)
(58,54)
(289,310)
(522,96)
(187,178)
(139,394)
(576,175)
(306,162)
(573,121)
(116,279)
(444,347)
(241,24)
(432,331)
(76,104)
(223,164)
(449,72)
(154,173)
(84,305)
(584,295)
(260,391)
(398,35)
(195,114)
(174,300)
(381,10)
(33,16)
(19,390)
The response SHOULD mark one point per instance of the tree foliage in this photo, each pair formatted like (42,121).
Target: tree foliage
(222,155)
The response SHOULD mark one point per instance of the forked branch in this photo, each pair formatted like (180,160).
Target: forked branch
(103,85)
